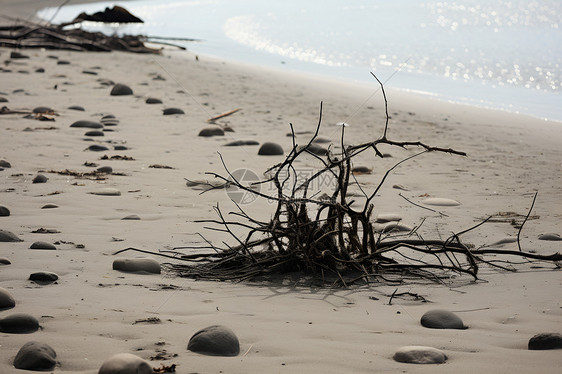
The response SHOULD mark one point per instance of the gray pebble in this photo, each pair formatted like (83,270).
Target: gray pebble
(40,178)
(8,236)
(42,245)
(121,89)
(19,323)
(215,341)
(442,319)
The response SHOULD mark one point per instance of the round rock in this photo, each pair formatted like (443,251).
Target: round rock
(105,169)
(42,245)
(415,354)
(211,131)
(94,133)
(4,212)
(8,236)
(4,261)
(108,191)
(49,206)
(121,89)
(153,100)
(42,110)
(5,164)
(97,148)
(87,124)
(215,341)
(43,277)
(442,319)
(270,149)
(125,363)
(6,299)
(238,143)
(40,178)
(170,111)
(19,323)
(35,356)
(131,217)
(77,107)
(550,236)
(546,340)
(137,265)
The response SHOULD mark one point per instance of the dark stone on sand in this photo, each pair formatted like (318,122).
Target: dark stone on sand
(4,261)
(131,217)
(120,148)
(170,111)
(239,143)
(120,90)
(19,323)
(442,319)
(125,363)
(211,131)
(94,133)
(416,354)
(35,356)
(105,169)
(87,124)
(3,100)
(321,140)
(4,212)
(116,14)
(40,70)
(108,116)
(317,149)
(153,100)
(89,72)
(77,107)
(550,237)
(49,206)
(43,277)
(63,62)
(215,341)
(5,164)
(110,122)
(42,245)
(137,265)
(545,341)
(361,170)
(97,148)
(17,55)
(43,109)
(8,236)
(6,299)
(270,149)
(40,178)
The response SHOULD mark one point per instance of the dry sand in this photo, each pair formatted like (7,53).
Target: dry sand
(90,312)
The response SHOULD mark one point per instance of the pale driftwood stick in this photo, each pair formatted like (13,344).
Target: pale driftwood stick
(213,119)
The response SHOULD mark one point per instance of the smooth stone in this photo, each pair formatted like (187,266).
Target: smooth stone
(132,217)
(391,227)
(506,240)
(3,100)
(77,107)
(316,150)
(170,111)
(97,148)
(120,148)
(238,143)
(105,169)
(442,319)
(416,354)
(19,323)
(39,70)
(43,245)
(321,140)
(5,164)
(8,236)
(6,299)
(43,277)
(90,72)
(545,341)
(361,170)
(4,212)
(125,363)
(35,356)
(152,100)
(438,201)
(4,261)
(121,89)
(108,191)
(211,131)
(137,265)
(387,217)
(550,236)
(43,109)
(215,341)
(40,178)
(94,133)
(49,206)
(63,62)
(270,149)
(17,55)
(110,123)
(87,124)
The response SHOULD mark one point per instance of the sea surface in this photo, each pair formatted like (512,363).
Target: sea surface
(498,54)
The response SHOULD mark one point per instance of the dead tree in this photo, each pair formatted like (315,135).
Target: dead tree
(324,235)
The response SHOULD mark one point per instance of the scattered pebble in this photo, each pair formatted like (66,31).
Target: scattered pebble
(238,143)
(94,133)
(77,107)
(321,140)
(120,148)
(415,354)
(125,363)
(6,299)
(43,245)
(137,265)
(545,341)
(550,236)
(87,124)
(170,111)
(391,227)
(4,212)
(89,72)
(105,169)
(40,178)
(97,148)
(211,131)
(43,277)
(8,236)
(17,55)
(43,110)
(3,100)
(63,62)
(49,206)
(5,164)
(440,202)
(4,261)
(442,319)
(108,116)
(506,240)
(388,217)
(361,170)
(121,89)
(108,191)
(40,70)
(215,341)
(35,356)
(152,100)
(132,217)
(316,149)
(270,149)
(19,323)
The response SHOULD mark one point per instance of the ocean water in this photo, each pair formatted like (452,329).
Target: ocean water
(499,54)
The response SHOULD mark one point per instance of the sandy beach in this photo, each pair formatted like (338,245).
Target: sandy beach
(92,311)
